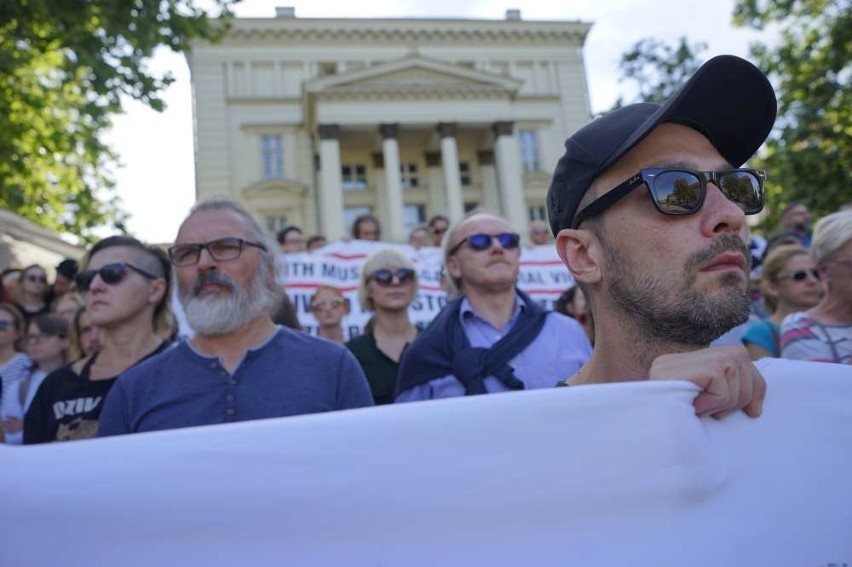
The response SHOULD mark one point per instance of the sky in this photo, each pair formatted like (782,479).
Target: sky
(156,179)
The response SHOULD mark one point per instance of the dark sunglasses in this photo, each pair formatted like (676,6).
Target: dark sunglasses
(678,191)
(800,275)
(385,277)
(43,336)
(111,274)
(36,279)
(478,242)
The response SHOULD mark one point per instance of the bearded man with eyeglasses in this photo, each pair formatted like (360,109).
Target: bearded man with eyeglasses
(239,365)
(493,337)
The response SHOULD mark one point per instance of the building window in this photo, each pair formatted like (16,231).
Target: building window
(529,150)
(470,205)
(464,173)
(272,148)
(538,212)
(274,224)
(408,175)
(326,68)
(413,215)
(354,176)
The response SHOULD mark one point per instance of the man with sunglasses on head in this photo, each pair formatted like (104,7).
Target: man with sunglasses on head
(649,207)
(239,365)
(493,337)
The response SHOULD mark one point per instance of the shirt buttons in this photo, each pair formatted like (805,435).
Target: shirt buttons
(230,411)
(230,397)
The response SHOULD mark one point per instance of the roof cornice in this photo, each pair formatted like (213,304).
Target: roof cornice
(297,30)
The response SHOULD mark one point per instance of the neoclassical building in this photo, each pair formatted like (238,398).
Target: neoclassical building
(314,121)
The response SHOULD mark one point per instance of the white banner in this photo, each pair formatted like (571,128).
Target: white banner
(615,474)
(542,275)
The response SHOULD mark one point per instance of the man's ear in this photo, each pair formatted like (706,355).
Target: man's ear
(453,269)
(581,252)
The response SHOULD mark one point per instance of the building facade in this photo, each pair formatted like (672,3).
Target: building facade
(312,122)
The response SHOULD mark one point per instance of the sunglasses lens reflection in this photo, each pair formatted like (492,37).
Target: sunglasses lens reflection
(744,189)
(677,192)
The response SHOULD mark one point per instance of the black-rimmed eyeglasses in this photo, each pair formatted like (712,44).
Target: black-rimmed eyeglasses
(221,250)
(679,191)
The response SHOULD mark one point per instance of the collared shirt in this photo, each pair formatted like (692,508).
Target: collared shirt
(559,350)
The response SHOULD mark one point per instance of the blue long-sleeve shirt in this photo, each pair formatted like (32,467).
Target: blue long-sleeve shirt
(559,350)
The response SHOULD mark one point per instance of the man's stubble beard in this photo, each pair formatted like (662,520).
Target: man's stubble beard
(674,312)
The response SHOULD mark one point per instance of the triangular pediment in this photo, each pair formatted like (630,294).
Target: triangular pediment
(414,74)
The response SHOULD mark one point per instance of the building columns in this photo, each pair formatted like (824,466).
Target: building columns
(394,231)
(450,164)
(331,183)
(490,192)
(507,153)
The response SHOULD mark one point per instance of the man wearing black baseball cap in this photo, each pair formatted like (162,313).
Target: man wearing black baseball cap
(648,206)
(66,271)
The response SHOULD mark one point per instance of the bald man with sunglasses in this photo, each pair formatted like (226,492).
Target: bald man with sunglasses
(648,206)
(493,337)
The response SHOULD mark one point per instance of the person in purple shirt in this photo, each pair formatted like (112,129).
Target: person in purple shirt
(239,365)
(492,338)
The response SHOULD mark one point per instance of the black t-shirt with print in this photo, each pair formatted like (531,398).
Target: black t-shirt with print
(68,405)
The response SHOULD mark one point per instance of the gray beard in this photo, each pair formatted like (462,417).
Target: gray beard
(674,312)
(218,314)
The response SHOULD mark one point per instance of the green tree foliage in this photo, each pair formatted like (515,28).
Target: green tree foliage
(64,66)
(656,69)
(809,155)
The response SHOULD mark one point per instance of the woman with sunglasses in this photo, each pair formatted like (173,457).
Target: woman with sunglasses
(34,291)
(47,346)
(388,286)
(329,307)
(14,364)
(126,288)
(823,333)
(790,282)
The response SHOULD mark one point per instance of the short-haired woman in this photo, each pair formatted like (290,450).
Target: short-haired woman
(329,307)
(388,286)
(47,346)
(126,286)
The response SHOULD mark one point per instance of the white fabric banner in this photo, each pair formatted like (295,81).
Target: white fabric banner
(542,275)
(617,474)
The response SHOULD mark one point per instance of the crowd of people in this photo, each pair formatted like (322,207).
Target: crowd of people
(648,210)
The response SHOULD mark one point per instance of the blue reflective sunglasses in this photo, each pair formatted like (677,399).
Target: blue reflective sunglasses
(482,241)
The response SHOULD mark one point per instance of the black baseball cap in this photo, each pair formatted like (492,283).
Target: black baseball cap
(68,268)
(728,100)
